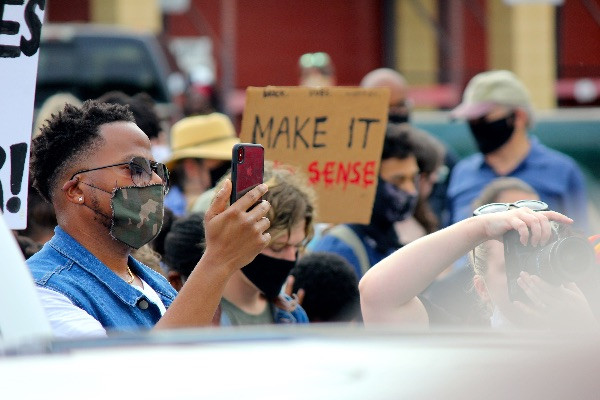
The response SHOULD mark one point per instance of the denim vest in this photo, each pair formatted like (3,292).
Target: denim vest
(65,266)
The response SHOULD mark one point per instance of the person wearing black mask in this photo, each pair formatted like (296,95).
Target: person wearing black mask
(395,200)
(399,112)
(498,110)
(253,295)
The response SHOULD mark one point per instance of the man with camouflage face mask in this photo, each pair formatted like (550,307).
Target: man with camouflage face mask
(95,166)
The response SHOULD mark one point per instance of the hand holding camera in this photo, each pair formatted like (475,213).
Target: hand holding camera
(551,306)
(565,257)
(541,239)
(543,257)
(530,227)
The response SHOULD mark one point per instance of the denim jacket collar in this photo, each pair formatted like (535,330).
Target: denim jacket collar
(66,245)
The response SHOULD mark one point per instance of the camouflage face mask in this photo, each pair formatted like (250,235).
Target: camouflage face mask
(137,214)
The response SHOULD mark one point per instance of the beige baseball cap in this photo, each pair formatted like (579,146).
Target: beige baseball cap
(488,90)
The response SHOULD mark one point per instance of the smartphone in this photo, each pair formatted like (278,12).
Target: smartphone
(247,167)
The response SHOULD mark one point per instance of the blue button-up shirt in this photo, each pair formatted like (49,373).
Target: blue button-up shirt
(555,176)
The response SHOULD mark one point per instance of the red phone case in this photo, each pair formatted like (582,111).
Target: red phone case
(246,173)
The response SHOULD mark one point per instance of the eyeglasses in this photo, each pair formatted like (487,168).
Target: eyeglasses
(535,205)
(315,60)
(141,171)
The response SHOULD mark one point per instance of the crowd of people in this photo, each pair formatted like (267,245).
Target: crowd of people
(127,231)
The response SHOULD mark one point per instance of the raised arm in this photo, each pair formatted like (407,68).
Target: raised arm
(234,236)
(389,289)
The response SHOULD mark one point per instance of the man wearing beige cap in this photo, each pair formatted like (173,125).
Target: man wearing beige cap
(498,110)
(201,153)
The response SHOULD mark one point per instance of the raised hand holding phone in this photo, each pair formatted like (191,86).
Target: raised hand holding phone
(247,167)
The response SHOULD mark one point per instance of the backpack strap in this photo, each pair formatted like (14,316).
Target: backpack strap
(348,236)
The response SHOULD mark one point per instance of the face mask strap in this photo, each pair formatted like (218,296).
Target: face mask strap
(96,187)
(99,213)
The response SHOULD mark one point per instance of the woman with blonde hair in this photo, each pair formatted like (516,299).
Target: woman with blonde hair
(390,290)
(455,290)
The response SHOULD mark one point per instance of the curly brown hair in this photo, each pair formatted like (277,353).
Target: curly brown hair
(67,137)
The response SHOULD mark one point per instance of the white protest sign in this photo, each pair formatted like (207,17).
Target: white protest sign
(22,317)
(20,30)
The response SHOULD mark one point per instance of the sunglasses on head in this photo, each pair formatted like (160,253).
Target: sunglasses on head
(534,205)
(315,60)
(141,170)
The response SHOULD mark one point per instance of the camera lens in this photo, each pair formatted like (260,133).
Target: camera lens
(240,155)
(567,258)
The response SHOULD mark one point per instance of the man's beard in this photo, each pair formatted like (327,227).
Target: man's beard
(100,217)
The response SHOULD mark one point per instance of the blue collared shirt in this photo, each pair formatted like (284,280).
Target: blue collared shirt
(555,176)
(65,266)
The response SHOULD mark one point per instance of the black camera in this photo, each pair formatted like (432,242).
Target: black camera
(566,257)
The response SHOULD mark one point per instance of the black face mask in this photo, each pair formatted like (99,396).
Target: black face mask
(391,204)
(268,274)
(398,118)
(490,136)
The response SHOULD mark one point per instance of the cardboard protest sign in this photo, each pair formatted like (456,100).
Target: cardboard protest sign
(20,30)
(333,135)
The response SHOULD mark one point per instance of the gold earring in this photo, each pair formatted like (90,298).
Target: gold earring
(80,199)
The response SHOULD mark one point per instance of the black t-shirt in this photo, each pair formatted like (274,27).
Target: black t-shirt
(452,300)
(437,315)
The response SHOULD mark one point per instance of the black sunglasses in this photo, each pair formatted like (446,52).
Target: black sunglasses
(535,205)
(141,170)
